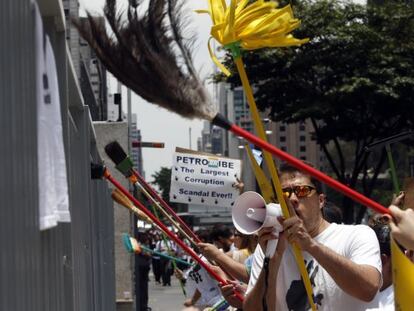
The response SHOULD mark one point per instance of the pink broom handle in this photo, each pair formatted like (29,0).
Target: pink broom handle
(165,205)
(170,234)
(221,121)
(358,197)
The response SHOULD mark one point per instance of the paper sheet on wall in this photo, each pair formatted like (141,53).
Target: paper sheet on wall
(53,187)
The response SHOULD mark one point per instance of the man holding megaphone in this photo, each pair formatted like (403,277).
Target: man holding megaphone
(343,261)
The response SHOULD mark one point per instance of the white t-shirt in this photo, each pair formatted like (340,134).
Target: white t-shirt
(384,300)
(198,278)
(357,243)
(164,247)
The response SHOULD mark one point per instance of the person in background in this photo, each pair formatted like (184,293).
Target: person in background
(385,297)
(222,236)
(143,262)
(156,260)
(180,253)
(166,247)
(235,268)
(202,289)
(245,246)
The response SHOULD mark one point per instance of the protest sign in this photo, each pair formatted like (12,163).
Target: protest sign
(204,179)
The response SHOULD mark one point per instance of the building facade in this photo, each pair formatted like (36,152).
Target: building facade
(92,79)
(89,70)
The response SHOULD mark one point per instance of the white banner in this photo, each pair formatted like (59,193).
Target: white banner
(204,179)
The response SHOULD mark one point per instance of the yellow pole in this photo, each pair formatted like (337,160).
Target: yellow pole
(262,181)
(403,278)
(272,168)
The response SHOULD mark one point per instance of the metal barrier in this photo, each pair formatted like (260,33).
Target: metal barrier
(71,266)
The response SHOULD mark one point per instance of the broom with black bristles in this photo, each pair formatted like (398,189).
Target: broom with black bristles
(148,54)
(123,163)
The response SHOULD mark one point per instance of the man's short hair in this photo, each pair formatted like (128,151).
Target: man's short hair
(380,225)
(332,213)
(286,168)
(204,235)
(220,231)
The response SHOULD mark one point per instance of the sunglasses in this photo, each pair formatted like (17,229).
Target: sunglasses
(299,191)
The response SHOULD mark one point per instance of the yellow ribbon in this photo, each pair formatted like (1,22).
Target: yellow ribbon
(256,25)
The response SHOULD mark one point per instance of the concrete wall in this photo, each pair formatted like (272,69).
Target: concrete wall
(107,132)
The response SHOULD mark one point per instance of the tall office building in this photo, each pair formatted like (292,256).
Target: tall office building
(215,140)
(233,105)
(204,142)
(297,139)
(136,152)
(71,9)
(93,84)
(93,78)
(89,70)
(113,110)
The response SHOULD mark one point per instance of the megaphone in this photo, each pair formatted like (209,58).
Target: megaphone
(250,213)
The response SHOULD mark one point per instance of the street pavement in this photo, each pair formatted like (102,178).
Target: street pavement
(165,298)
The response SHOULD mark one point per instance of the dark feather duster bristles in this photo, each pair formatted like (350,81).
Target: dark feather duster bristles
(149,55)
(115,152)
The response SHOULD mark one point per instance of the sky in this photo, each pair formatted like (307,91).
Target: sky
(157,124)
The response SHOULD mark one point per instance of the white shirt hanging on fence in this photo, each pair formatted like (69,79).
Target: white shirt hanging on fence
(53,186)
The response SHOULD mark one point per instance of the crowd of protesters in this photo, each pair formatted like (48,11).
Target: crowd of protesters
(349,265)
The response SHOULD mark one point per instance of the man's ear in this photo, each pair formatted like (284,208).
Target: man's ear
(322,200)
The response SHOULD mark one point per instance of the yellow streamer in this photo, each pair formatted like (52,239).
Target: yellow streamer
(256,25)
(216,61)
(403,279)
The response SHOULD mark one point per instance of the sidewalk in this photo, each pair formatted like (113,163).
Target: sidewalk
(165,298)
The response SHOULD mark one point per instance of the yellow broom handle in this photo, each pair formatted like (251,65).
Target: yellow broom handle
(273,172)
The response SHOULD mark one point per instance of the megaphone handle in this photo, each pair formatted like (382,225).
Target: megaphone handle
(271,246)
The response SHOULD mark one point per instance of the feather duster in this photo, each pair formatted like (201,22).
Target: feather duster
(149,55)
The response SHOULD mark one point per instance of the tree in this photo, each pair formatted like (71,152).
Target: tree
(354,80)
(162,179)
